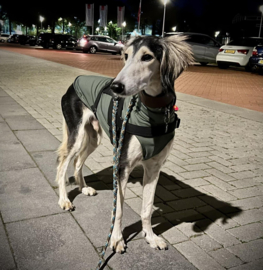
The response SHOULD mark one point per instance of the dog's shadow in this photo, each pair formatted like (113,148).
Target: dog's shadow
(175,202)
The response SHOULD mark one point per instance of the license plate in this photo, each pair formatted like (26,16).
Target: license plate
(230,51)
(260,62)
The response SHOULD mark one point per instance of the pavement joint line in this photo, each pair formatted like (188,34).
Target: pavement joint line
(9,242)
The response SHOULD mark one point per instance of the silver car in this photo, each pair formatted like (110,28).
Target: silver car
(205,48)
(93,44)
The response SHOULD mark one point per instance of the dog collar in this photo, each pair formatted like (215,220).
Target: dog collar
(159,101)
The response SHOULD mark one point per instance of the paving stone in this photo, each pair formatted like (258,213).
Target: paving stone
(139,255)
(196,182)
(248,252)
(220,183)
(206,243)
(245,167)
(249,216)
(197,256)
(248,232)
(220,175)
(256,265)
(189,203)
(174,236)
(220,160)
(94,216)
(193,174)
(12,109)
(163,208)
(249,203)
(26,194)
(187,193)
(164,194)
(129,194)
(196,167)
(198,160)
(47,162)
(246,192)
(217,233)
(37,140)
(183,216)
(48,242)
(219,193)
(135,204)
(23,122)
(225,258)
(220,167)
(242,175)
(6,258)
(217,217)
(199,154)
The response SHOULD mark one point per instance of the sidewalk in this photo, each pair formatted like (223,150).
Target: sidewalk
(208,203)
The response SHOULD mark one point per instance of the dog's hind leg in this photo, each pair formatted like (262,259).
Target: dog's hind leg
(89,144)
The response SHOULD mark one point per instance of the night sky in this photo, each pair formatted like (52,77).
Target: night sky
(196,15)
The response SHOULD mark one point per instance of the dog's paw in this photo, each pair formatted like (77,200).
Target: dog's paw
(89,191)
(156,242)
(117,244)
(66,205)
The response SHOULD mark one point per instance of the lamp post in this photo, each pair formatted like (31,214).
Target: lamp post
(123,25)
(261,9)
(174,28)
(164,10)
(41,20)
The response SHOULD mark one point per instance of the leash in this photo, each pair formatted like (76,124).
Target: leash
(117,147)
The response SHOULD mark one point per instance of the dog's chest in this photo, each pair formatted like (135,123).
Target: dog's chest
(88,88)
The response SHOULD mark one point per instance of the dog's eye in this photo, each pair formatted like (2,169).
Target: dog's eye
(126,56)
(147,57)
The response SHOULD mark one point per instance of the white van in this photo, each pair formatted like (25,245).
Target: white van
(4,37)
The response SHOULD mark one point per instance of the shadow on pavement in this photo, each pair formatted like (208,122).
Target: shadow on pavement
(189,205)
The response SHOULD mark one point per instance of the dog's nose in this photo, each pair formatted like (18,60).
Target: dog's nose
(117,87)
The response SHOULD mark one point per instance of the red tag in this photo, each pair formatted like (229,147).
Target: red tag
(176,108)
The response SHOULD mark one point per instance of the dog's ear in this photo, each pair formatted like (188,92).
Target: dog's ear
(177,56)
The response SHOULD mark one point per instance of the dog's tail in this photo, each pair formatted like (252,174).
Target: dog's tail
(62,151)
(96,126)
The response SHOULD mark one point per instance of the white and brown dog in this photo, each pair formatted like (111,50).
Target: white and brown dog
(152,65)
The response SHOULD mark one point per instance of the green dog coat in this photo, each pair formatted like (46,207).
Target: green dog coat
(147,124)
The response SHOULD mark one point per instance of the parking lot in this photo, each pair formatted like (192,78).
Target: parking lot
(232,86)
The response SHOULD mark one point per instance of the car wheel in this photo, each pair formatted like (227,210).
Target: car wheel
(58,46)
(203,63)
(93,49)
(222,65)
(248,68)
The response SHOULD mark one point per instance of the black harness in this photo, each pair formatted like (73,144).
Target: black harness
(148,132)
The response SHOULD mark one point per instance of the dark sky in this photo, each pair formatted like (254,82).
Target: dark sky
(196,14)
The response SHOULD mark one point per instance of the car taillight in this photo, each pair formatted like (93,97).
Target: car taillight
(220,50)
(83,41)
(243,51)
(255,52)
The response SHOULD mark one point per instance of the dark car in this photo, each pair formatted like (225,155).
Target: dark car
(256,60)
(95,43)
(14,39)
(56,41)
(32,40)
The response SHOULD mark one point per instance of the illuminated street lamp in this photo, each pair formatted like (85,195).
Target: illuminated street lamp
(164,10)
(123,25)
(174,28)
(261,9)
(41,20)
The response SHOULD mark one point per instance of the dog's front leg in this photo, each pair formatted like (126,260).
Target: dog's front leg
(150,179)
(117,241)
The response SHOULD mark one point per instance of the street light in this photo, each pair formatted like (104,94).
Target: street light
(123,25)
(41,20)
(174,28)
(164,9)
(261,9)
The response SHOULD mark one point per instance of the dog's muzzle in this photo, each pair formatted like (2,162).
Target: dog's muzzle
(117,88)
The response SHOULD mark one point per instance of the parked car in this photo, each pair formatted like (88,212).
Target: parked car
(237,52)
(256,60)
(56,41)
(94,43)
(13,39)
(32,40)
(204,47)
(4,37)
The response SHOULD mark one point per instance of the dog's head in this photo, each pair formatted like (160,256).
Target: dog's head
(152,64)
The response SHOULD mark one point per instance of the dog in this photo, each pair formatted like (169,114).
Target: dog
(152,64)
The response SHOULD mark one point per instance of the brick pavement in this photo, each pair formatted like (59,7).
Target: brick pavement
(233,86)
(209,200)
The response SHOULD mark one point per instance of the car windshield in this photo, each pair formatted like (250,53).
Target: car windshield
(246,42)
